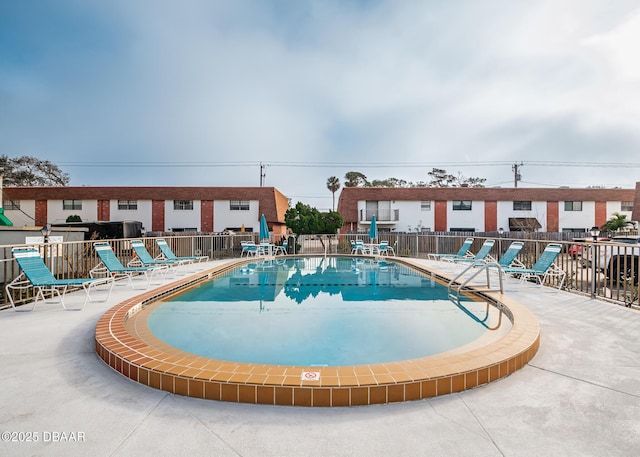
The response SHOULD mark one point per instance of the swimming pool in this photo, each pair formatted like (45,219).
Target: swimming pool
(317,311)
(125,343)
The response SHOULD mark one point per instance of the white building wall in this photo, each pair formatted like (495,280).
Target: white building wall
(224,217)
(538,210)
(142,214)
(56,215)
(584,219)
(412,216)
(183,218)
(18,216)
(466,219)
(616,207)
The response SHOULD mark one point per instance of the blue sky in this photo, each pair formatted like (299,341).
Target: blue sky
(200,92)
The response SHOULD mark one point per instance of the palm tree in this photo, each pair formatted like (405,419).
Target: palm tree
(617,222)
(333,184)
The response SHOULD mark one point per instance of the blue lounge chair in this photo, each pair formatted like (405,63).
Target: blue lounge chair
(34,273)
(481,256)
(477,266)
(509,258)
(168,254)
(462,252)
(110,265)
(143,258)
(543,269)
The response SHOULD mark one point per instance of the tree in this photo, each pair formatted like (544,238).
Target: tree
(304,220)
(333,184)
(355,179)
(440,178)
(31,171)
(617,222)
(391,182)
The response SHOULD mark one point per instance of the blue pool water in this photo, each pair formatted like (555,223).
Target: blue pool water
(316,311)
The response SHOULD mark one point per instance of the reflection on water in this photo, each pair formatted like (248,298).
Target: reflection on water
(318,311)
(300,279)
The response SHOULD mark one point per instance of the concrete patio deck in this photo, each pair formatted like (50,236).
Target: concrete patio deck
(579,396)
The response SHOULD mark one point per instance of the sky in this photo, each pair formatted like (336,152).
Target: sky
(202,92)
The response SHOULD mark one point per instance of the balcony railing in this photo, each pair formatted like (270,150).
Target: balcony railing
(382,215)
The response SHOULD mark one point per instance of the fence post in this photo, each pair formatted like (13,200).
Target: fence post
(594,269)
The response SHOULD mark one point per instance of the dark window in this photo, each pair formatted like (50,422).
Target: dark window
(522,206)
(462,205)
(180,205)
(462,229)
(127,204)
(71,204)
(12,204)
(573,206)
(626,206)
(239,205)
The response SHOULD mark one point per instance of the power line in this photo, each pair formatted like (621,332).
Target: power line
(361,165)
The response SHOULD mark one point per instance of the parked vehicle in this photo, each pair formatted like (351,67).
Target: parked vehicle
(619,258)
(575,250)
(101,230)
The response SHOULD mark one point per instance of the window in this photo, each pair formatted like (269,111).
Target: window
(239,229)
(71,204)
(573,206)
(626,206)
(462,229)
(522,206)
(239,205)
(11,204)
(462,205)
(127,204)
(180,205)
(425,206)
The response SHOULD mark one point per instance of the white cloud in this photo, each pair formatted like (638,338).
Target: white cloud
(357,82)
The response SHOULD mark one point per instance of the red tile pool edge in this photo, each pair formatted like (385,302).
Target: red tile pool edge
(194,376)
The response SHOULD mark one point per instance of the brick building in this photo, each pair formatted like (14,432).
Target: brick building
(484,209)
(160,209)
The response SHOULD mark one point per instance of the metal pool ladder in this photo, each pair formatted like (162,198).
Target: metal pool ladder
(455,289)
(460,284)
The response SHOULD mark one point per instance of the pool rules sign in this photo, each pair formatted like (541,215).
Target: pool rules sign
(310,376)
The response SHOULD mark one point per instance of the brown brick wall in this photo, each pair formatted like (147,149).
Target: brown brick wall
(206,216)
(601,213)
(157,216)
(553,216)
(41,212)
(635,215)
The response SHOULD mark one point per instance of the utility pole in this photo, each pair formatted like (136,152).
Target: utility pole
(263,174)
(516,173)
